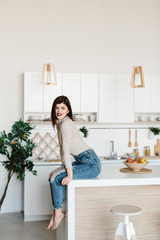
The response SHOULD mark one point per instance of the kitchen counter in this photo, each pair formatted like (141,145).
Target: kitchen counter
(110,175)
(38,162)
(109,179)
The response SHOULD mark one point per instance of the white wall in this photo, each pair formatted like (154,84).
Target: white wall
(99,140)
(78,36)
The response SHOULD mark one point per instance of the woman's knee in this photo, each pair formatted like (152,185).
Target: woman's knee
(57,174)
(52,176)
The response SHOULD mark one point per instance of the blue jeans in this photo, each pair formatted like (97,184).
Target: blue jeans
(87,165)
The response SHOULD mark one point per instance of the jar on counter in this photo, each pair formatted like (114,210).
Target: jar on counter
(147,150)
(136,151)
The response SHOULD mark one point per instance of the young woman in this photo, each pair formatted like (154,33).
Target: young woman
(86,165)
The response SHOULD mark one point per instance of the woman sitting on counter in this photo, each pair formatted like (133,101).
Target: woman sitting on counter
(87,164)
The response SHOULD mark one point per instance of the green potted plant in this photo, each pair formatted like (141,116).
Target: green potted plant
(156,131)
(84,130)
(152,132)
(17,147)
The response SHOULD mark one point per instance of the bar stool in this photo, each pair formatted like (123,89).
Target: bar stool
(125,228)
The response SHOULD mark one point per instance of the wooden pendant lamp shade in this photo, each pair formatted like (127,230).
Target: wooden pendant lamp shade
(48,74)
(137,70)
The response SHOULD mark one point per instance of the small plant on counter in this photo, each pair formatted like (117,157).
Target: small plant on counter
(156,131)
(17,147)
(84,130)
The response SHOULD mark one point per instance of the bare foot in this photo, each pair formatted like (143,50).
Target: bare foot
(51,222)
(57,220)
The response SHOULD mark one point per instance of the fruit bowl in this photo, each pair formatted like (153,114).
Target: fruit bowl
(136,167)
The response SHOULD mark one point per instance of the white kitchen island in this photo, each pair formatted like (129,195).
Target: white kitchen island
(88,202)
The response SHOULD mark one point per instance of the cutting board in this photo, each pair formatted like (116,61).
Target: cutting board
(157,148)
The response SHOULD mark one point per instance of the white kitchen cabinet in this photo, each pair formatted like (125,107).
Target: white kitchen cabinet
(89,92)
(37,195)
(71,89)
(155,93)
(124,101)
(107,98)
(33,92)
(51,92)
(142,97)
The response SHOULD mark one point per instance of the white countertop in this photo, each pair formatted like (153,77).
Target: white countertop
(38,162)
(111,176)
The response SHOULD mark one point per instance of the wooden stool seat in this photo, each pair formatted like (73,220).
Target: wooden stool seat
(124,210)
(125,228)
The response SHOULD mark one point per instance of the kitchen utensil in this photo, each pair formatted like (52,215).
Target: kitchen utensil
(136,142)
(92,118)
(131,155)
(129,143)
(151,118)
(157,148)
(77,117)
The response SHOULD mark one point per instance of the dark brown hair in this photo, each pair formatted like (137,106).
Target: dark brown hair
(58,100)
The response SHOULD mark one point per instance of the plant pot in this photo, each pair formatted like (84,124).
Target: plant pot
(150,135)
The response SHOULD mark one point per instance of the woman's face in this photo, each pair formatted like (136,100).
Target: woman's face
(61,111)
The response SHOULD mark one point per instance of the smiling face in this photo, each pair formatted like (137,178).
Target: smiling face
(61,110)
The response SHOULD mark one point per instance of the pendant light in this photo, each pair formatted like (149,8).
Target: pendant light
(137,80)
(48,74)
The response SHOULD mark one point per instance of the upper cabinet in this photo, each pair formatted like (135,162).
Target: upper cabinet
(115,99)
(33,92)
(51,92)
(155,93)
(124,99)
(110,96)
(71,89)
(107,98)
(89,92)
(146,100)
(37,97)
(142,97)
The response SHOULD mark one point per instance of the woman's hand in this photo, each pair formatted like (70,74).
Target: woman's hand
(66,180)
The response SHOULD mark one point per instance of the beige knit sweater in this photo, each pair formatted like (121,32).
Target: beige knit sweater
(70,141)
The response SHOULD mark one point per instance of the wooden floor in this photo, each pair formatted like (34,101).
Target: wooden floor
(95,222)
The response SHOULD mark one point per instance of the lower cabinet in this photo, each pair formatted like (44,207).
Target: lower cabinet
(37,196)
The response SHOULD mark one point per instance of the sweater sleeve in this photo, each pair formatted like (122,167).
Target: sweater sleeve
(66,132)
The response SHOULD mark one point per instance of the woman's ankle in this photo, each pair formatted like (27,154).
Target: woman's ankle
(58,212)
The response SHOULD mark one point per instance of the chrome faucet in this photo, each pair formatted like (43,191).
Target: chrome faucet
(113,153)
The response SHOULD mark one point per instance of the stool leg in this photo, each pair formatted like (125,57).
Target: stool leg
(120,231)
(127,228)
(128,235)
(132,231)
